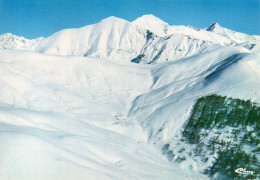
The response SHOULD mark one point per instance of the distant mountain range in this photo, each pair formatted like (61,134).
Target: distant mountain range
(148,39)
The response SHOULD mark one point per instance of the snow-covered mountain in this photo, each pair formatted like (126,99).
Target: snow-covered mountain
(10,41)
(74,106)
(147,39)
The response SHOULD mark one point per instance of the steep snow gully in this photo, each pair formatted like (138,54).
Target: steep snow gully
(74,106)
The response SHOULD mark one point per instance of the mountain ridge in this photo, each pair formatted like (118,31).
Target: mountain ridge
(148,37)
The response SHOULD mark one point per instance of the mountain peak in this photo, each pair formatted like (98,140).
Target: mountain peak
(213,26)
(148,18)
(152,23)
(7,35)
(113,19)
(10,36)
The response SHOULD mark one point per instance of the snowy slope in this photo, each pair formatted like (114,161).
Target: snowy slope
(94,114)
(70,112)
(148,39)
(164,110)
(108,120)
(112,38)
(228,71)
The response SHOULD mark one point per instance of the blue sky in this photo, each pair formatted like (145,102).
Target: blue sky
(34,18)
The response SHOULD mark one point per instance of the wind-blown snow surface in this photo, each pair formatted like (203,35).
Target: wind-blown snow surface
(65,118)
(74,117)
